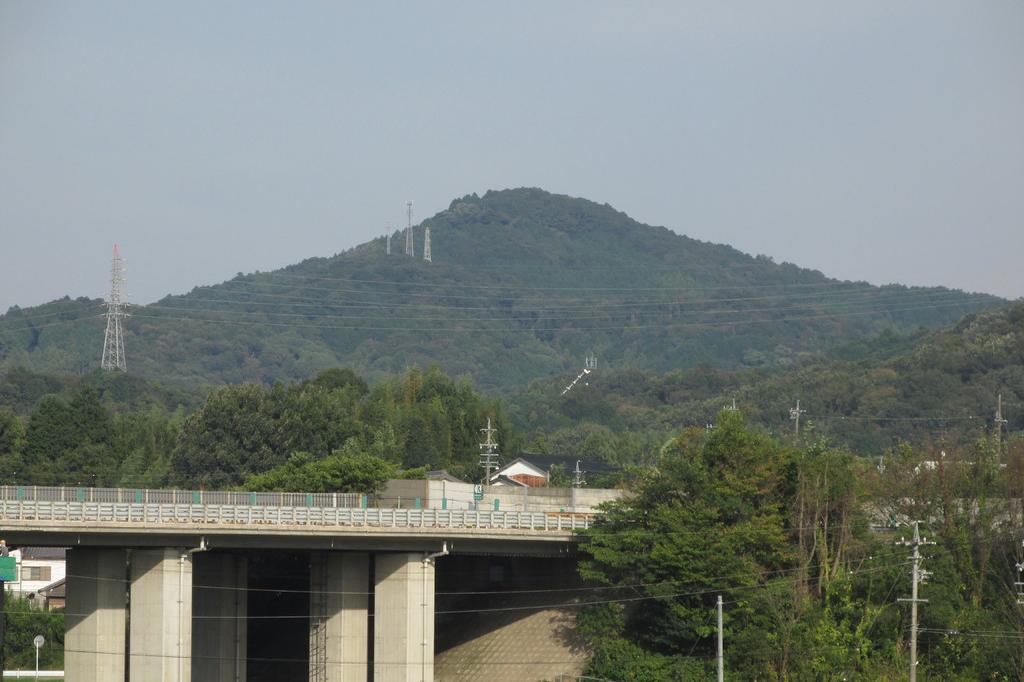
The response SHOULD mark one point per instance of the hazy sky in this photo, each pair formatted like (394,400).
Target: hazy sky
(870,140)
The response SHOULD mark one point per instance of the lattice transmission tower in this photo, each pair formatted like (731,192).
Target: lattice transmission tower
(113,339)
(426,245)
(410,246)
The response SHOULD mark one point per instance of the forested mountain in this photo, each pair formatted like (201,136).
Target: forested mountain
(522,285)
(920,387)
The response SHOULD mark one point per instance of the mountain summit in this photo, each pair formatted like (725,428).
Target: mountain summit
(523,283)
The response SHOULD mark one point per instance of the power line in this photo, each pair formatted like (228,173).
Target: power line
(525,607)
(765,574)
(530,330)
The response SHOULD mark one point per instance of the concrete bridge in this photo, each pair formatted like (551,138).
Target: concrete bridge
(164,591)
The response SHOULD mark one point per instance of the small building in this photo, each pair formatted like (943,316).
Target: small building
(53,595)
(535,470)
(39,568)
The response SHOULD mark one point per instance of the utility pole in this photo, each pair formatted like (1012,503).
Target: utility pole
(578,481)
(721,649)
(918,575)
(794,415)
(113,338)
(410,246)
(488,452)
(999,423)
(1020,580)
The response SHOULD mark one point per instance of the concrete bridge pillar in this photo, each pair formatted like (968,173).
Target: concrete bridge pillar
(96,607)
(338,634)
(403,618)
(219,609)
(160,627)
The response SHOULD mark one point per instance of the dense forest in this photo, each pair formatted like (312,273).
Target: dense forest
(522,285)
(924,386)
(119,429)
(417,421)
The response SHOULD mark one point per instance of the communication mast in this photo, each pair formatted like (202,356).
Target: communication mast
(426,244)
(387,249)
(113,338)
(489,451)
(410,246)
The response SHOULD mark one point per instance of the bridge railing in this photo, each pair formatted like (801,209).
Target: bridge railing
(231,514)
(33,493)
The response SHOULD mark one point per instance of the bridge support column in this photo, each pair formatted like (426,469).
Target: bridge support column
(338,631)
(160,644)
(220,607)
(96,607)
(403,618)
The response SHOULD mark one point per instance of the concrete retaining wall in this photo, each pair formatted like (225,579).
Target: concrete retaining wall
(459,496)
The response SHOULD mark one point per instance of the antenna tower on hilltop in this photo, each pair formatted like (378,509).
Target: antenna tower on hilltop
(113,339)
(410,247)
(489,452)
(426,244)
(387,248)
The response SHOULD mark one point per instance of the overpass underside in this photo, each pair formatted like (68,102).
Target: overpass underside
(167,614)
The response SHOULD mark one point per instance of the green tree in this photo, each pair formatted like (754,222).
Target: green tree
(346,471)
(712,513)
(25,620)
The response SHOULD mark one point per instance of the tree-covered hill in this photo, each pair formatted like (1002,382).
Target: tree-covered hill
(523,284)
(919,387)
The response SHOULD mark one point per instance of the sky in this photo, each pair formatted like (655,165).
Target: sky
(870,140)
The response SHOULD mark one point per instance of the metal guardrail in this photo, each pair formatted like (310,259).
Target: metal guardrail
(227,514)
(34,493)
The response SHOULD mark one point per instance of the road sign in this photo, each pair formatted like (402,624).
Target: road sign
(8,569)
(478,492)
(39,641)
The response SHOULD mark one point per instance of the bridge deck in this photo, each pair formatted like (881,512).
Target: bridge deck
(129,524)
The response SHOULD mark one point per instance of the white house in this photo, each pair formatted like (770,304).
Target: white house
(38,568)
